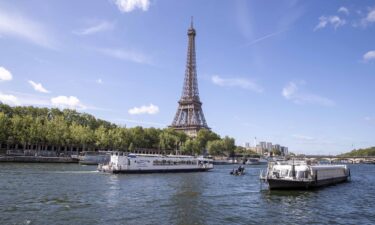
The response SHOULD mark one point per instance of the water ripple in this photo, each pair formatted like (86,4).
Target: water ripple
(73,194)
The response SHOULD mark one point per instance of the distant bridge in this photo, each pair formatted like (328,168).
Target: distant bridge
(332,158)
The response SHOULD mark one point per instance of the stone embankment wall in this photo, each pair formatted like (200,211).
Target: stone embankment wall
(37,159)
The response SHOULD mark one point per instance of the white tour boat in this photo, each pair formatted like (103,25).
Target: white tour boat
(301,174)
(122,162)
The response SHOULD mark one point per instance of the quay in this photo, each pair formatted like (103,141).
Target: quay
(38,159)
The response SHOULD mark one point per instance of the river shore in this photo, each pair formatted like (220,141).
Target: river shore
(37,159)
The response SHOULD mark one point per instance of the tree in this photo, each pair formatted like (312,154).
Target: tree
(152,138)
(20,129)
(244,151)
(82,135)
(37,132)
(120,138)
(4,128)
(57,132)
(215,148)
(168,139)
(101,137)
(361,152)
(204,136)
(191,147)
(138,137)
(131,147)
(229,146)
(43,127)
(276,152)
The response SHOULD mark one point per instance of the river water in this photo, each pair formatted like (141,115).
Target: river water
(74,194)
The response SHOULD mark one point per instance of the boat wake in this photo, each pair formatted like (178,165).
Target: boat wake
(77,172)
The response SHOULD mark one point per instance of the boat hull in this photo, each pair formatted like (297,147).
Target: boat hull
(88,163)
(297,184)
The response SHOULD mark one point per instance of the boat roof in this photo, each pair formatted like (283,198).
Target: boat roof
(162,156)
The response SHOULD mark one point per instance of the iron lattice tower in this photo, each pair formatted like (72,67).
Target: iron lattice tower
(189,116)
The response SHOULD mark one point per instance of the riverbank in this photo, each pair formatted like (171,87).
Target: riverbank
(37,159)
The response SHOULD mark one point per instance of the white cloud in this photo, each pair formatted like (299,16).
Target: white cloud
(237,82)
(371,16)
(334,21)
(303,137)
(101,26)
(99,81)
(150,109)
(344,10)
(25,99)
(367,19)
(5,75)
(289,90)
(38,87)
(70,102)
(131,56)
(21,27)
(293,93)
(368,118)
(9,99)
(130,5)
(19,98)
(368,56)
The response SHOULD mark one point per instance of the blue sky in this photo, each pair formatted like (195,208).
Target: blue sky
(297,73)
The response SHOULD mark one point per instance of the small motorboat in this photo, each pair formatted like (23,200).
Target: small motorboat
(238,172)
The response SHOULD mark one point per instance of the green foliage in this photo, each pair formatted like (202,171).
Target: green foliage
(191,146)
(199,144)
(205,136)
(276,152)
(225,146)
(168,139)
(243,151)
(62,129)
(215,147)
(4,127)
(229,145)
(361,152)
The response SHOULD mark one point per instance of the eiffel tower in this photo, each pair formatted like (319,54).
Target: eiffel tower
(189,116)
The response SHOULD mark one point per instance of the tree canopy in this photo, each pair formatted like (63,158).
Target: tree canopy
(361,152)
(36,128)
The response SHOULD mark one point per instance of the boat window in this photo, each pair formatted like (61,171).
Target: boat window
(284,173)
(300,174)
